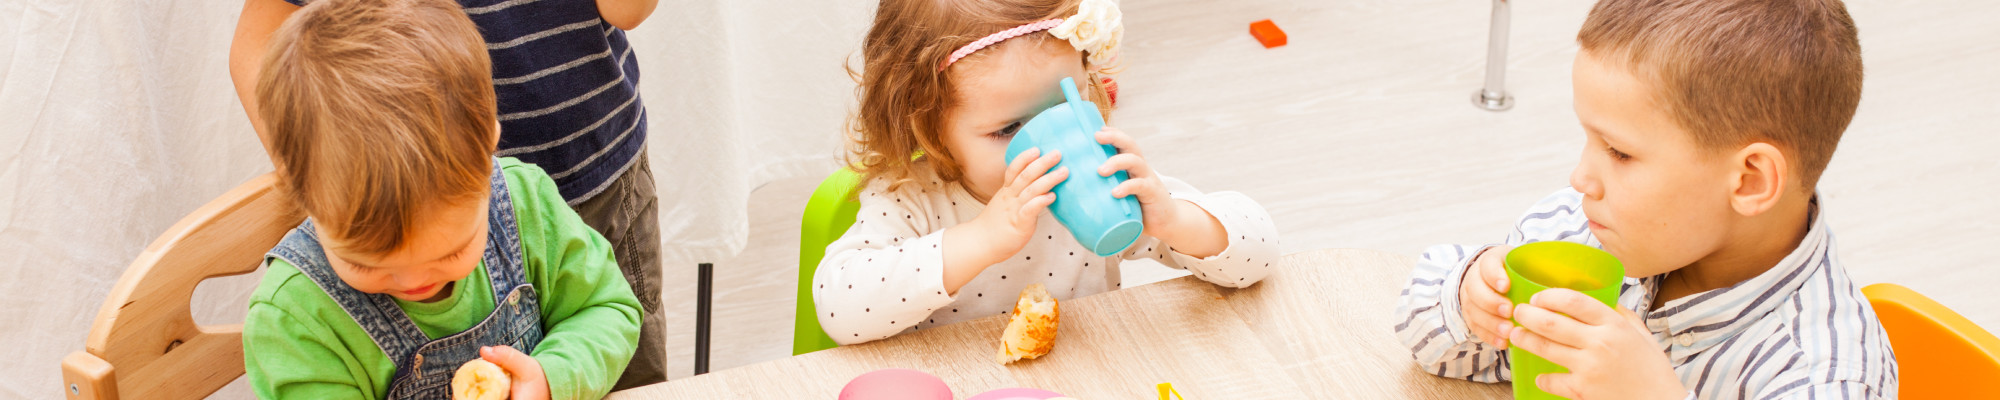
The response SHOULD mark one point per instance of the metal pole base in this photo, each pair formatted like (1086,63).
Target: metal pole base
(1493,95)
(1489,102)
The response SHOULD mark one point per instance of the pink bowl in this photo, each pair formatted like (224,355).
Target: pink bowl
(896,384)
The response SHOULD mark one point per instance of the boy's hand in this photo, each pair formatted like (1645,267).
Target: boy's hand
(1009,219)
(626,14)
(1182,225)
(1609,352)
(1482,297)
(529,382)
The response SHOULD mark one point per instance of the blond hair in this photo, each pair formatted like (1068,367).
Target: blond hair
(377,111)
(1736,71)
(905,98)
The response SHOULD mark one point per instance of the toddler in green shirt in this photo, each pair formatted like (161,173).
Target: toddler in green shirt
(420,251)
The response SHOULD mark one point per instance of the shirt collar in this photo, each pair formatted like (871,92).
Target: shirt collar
(1697,322)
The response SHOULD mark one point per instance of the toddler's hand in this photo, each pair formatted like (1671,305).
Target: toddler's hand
(529,382)
(1482,297)
(1157,208)
(1181,225)
(1009,219)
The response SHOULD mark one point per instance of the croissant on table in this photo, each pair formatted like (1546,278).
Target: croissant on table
(1032,331)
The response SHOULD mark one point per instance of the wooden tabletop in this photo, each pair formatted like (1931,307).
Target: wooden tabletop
(1318,327)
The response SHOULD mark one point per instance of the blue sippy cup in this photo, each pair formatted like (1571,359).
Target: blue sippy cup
(1104,224)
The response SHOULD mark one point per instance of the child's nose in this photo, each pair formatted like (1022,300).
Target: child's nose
(409,280)
(1584,181)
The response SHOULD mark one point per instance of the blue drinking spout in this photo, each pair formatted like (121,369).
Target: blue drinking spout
(1074,102)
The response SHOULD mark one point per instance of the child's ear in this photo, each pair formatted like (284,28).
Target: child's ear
(1759,179)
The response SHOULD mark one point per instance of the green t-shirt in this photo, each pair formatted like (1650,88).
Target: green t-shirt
(297,343)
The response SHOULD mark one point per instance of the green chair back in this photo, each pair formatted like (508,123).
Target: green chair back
(828,215)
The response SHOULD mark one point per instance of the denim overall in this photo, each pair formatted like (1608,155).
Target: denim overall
(424,367)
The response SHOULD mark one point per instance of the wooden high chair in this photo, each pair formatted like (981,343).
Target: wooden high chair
(144,343)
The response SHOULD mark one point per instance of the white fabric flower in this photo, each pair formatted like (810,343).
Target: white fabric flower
(1106,54)
(1097,28)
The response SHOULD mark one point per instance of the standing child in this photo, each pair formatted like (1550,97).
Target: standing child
(420,250)
(1707,125)
(956,233)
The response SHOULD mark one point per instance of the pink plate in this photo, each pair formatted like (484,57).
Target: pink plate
(1016,394)
(895,384)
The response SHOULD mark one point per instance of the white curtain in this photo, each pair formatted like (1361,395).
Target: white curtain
(118,117)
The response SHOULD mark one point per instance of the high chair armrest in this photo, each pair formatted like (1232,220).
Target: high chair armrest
(87,377)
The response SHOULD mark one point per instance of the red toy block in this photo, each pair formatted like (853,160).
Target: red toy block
(1267,32)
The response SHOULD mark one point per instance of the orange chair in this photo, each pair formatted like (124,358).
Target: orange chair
(1939,354)
(144,343)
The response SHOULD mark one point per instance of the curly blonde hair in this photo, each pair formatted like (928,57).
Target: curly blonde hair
(904,97)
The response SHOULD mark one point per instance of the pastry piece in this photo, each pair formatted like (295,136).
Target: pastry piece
(480,380)
(1032,332)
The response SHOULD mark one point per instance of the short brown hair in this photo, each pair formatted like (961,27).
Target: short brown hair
(376,110)
(905,98)
(1733,72)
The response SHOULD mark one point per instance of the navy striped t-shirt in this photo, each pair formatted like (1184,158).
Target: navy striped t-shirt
(567,88)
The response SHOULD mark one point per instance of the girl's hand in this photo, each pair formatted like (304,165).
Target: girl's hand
(1609,352)
(1008,221)
(1184,226)
(529,382)
(1009,218)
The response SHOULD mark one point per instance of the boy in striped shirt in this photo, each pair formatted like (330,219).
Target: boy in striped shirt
(1707,125)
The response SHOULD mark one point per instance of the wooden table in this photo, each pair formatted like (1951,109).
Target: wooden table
(1318,327)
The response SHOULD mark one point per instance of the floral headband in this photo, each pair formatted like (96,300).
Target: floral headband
(1097,28)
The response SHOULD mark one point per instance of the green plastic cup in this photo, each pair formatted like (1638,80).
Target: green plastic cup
(1538,266)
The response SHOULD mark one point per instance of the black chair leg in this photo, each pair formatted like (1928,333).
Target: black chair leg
(704,296)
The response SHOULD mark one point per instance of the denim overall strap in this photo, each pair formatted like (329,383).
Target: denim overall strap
(376,313)
(516,319)
(393,331)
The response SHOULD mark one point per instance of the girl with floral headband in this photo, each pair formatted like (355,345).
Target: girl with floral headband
(948,231)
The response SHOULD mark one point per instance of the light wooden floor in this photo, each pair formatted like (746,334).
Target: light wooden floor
(1360,134)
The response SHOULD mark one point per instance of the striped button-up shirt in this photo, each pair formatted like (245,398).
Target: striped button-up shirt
(1799,330)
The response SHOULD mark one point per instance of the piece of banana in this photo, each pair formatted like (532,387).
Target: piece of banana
(1032,331)
(480,380)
